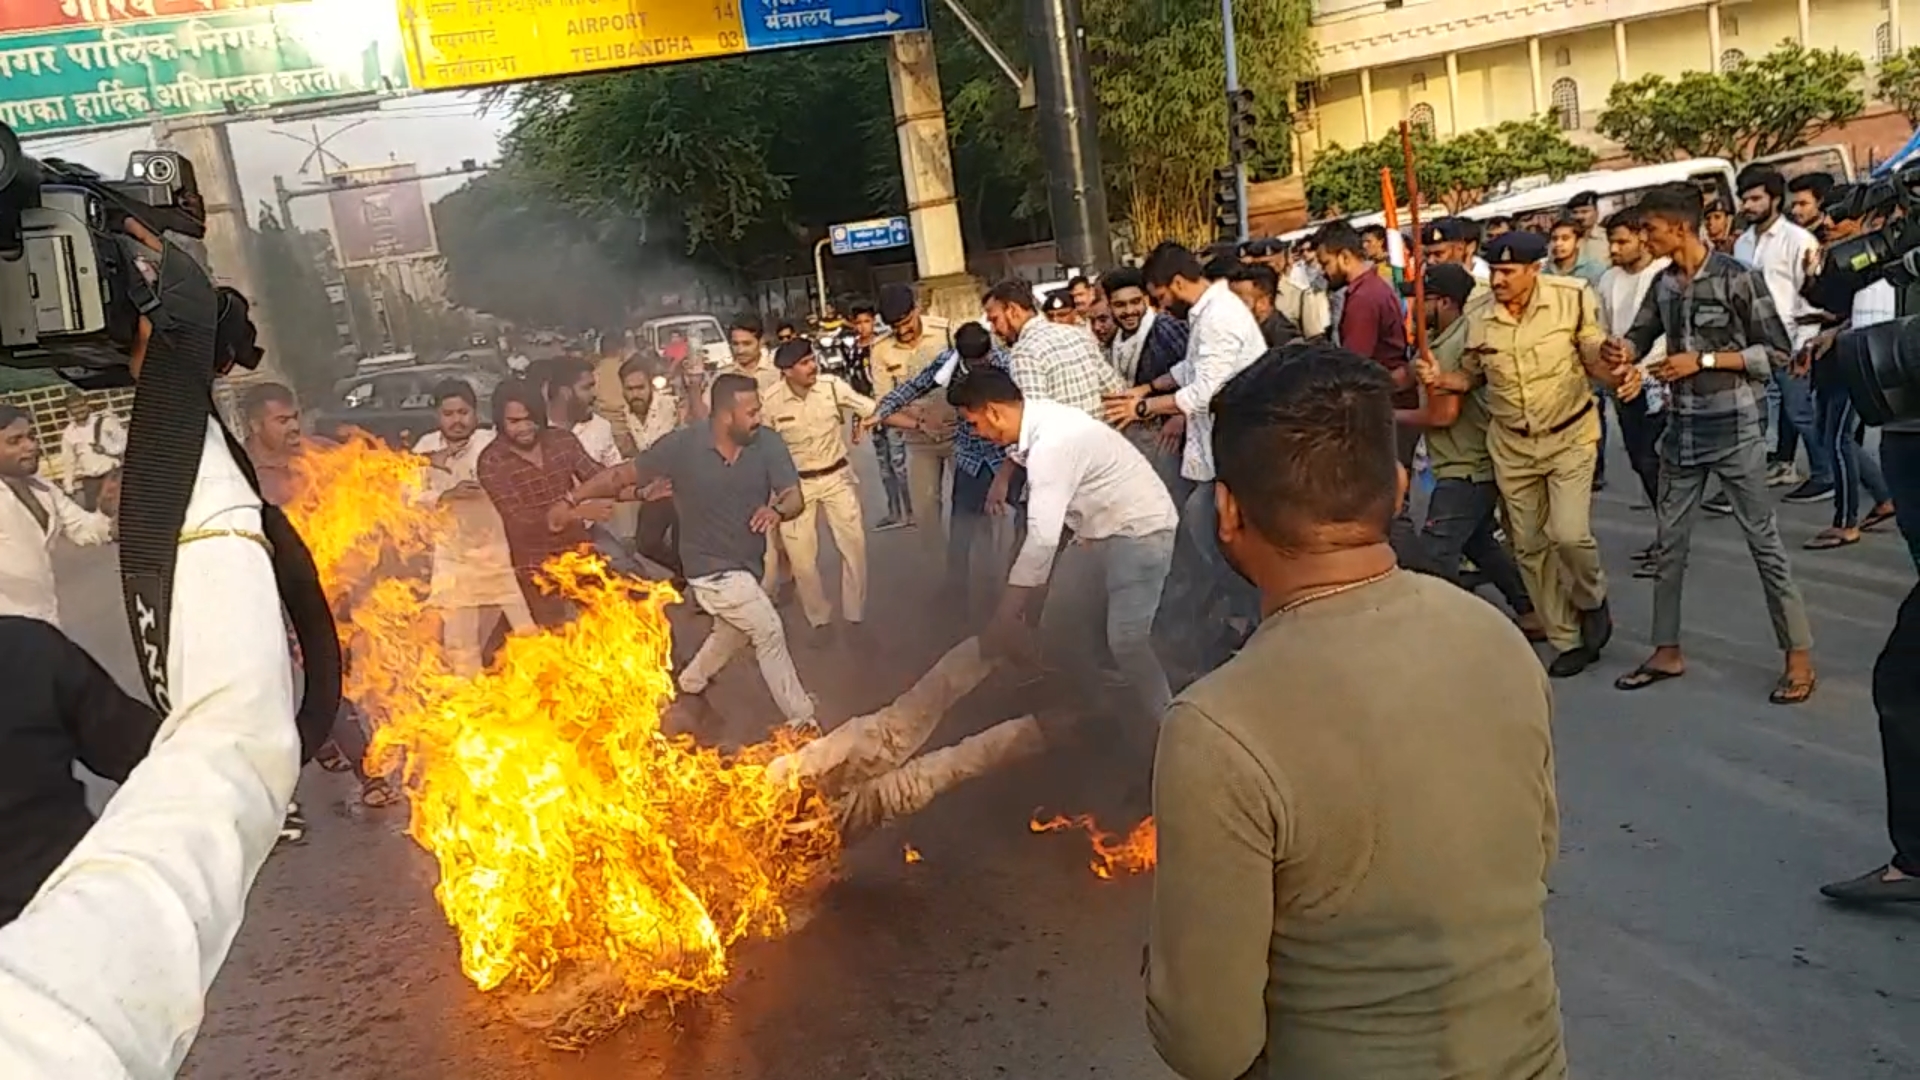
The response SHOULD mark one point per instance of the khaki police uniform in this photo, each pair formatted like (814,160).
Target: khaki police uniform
(929,448)
(813,422)
(1544,438)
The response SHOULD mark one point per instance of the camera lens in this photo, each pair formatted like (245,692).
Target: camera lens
(1881,366)
(158,169)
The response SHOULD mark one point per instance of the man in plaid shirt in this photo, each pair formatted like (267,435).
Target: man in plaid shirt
(1048,360)
(977,463)
(1724,339)
(528,472)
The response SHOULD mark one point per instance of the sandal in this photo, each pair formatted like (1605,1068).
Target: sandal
(332,760)
(1828,539)
(1792,691)
(1643,676)
(378,794)
(1876,517)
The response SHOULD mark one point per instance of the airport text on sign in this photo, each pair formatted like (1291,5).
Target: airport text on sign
(876,235)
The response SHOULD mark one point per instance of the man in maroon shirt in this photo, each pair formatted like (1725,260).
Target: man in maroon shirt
(1372,323)
(528,471)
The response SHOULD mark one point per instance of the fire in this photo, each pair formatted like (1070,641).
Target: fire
(1133,854)
(911,854)
(575,838)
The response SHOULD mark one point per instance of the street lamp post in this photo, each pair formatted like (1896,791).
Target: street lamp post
(1233,89)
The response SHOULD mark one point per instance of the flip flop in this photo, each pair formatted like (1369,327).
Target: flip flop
(1643,676)
(378,794)
(1828,540)
(1876,518)
(1791,691)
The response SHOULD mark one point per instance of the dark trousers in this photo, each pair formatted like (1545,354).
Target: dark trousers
(1900,461)
(1896,697)
(657,535)
(1640,432)
(1460,522)
(968,520)
(1854,467)
(88,496)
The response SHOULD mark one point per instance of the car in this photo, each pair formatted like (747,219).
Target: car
(396,405)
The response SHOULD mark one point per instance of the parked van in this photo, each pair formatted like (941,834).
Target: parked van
(1617,188)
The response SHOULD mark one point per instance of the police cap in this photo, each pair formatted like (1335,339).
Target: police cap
(1516,248)
(1057,300)
(792,352)
(1444,230)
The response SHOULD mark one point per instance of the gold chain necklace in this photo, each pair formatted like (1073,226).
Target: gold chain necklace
(1336,590)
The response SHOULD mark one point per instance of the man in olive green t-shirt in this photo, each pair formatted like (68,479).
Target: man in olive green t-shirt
(1460,513)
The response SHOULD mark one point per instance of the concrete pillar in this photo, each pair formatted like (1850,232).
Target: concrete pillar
(1620,51)
(926,161)
(1893,24)
(1453,93)
(1806,21)
(1713,37)
(1533,69)
(228,250)
(1366,102)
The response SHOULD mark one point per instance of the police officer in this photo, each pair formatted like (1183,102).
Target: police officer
(1535,347)
(808,410)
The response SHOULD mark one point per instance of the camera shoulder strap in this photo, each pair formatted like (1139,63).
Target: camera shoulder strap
(197,332)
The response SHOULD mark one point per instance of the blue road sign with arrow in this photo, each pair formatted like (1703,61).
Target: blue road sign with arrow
(876,235)
(777,24)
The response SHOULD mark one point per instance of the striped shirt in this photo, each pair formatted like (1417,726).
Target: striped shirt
(971,452)
(1724,307)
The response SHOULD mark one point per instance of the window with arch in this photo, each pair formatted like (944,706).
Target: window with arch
(1420,118)
(1731,59)
(1883,41)
(1563,57)
(1566,104)
(1418,82)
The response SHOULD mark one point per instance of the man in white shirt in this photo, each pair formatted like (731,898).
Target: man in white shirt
(473,582)
(1050,361)
(91,447)
(569,386)
(1223,339)
(1085,476)
(1622,287)
(32,514)
(1784,253)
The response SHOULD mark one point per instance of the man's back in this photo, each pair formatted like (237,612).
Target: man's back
(1056,362)
(1385,754)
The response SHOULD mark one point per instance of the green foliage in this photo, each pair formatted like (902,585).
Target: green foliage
(296,305)
(1457,171)
(1897,83)
(1781,101)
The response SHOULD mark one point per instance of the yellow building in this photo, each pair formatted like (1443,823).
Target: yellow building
(1460,64)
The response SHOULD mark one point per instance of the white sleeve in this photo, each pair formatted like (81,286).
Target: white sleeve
(82,526)
(105,974)
(1216,360)
(113,436)
(69,463)
(1051,480)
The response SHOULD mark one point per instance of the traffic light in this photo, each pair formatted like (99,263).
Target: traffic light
(1226,203)
(1241,124)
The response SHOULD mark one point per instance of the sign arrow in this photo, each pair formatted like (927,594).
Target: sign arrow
(886,18)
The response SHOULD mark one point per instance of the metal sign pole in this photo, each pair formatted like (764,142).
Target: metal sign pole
(1233,87)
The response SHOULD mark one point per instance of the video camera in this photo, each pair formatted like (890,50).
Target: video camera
(71,292)
(1881,363)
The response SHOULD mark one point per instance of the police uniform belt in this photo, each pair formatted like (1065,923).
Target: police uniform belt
(815,474)
(1554,430)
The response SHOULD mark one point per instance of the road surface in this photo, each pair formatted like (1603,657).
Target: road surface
(1698,821)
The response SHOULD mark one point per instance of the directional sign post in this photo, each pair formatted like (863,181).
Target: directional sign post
(776,24)
(876,235)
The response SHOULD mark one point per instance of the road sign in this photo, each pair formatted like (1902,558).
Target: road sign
(455,43)
(101,74)
(375,224)
(876,235)
(778,24)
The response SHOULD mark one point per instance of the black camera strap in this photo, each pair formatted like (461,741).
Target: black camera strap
(198,332)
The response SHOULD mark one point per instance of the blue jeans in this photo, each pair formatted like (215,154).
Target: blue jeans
(1900,457)
(891,452)
(1854,466)
(1131,571)
(1799,422)
(1214,580)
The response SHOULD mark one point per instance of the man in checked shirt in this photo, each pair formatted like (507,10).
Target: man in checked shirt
(1724,339)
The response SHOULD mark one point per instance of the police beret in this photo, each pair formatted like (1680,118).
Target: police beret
(1515,248)
(792,352)
(1057,300)
(896,302)
(1444,230)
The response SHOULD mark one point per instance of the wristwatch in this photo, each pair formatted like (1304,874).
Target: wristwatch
(1140,409)
(1707,360)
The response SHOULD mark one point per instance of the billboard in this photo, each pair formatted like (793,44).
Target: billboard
(379,224)
(69,73)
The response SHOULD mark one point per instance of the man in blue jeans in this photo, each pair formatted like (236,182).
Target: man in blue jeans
(1084,476)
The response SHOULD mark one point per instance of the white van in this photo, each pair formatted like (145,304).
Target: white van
(1617,188)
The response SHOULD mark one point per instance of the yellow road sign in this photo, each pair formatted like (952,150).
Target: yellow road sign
(459,43)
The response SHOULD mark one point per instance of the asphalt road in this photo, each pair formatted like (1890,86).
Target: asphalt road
(1698,821)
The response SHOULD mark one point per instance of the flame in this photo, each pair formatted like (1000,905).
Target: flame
(1133,854)
(911,854)
(570,830)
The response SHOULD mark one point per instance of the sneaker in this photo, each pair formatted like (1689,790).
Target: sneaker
(1782,474)
(888,524)
(1809,492)
(293,829)
(1718,503)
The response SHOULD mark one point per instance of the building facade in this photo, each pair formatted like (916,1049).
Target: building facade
(1456,65)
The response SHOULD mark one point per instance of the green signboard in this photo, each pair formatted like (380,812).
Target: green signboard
(129,72)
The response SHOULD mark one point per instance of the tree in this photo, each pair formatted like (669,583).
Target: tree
(295,299)
(1457,171)
(1897,83)
(1781,101)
